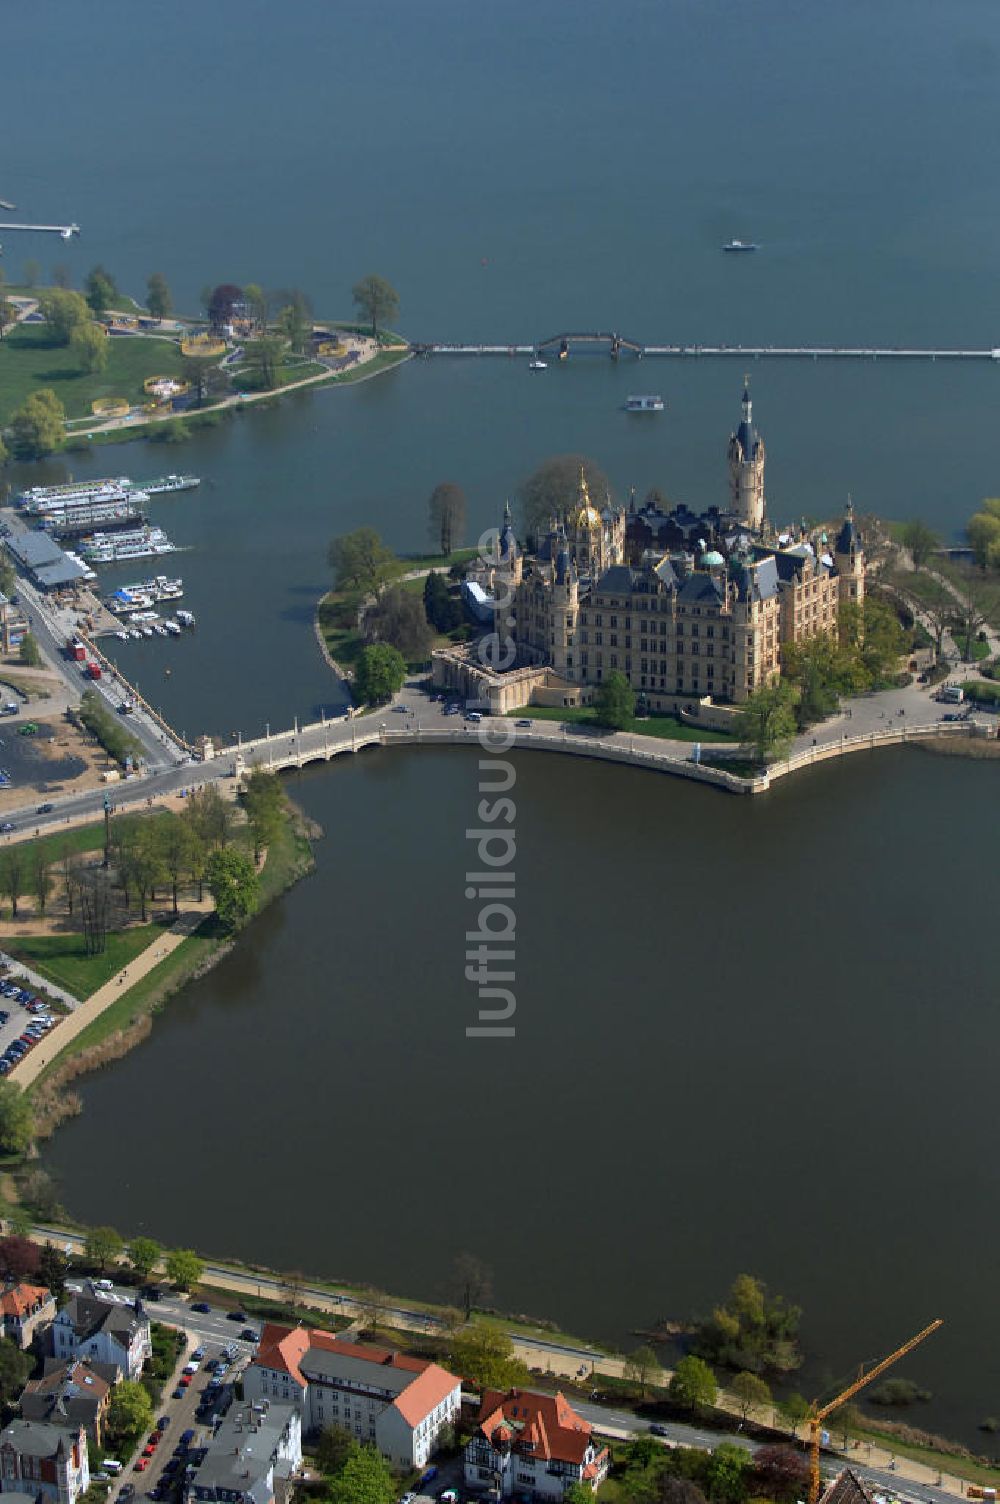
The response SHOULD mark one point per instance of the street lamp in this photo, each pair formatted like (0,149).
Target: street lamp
(107,831)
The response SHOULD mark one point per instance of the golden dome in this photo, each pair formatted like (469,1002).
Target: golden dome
(588,515)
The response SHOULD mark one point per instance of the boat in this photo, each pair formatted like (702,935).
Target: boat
(138,543)
(147,631)
(135,634)
(173,628)
(651,404)
(122,635)
(186,618)
(170,483)
(741,245)
(159,629)
(538,364)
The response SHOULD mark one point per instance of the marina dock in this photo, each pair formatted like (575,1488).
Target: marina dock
(561,346)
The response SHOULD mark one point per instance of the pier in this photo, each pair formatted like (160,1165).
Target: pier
(562,346)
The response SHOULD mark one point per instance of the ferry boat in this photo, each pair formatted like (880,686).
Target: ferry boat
(141,543)
(650,404)
(35,495)
(159,588)
(741,245)
(170,483)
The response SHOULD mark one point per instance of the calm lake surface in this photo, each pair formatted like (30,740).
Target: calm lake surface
(750,1035)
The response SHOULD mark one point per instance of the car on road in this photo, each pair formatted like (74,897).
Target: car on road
(190,1368)
(236,1316)
(187,1436)
(6,827)
(198,1354)
(201,1306)
(658,1430)
(45,809)
(448,1496)
(249,1335)
(142,1464)
(524,722)
(185,1380)
(178,1394)
(163,1422)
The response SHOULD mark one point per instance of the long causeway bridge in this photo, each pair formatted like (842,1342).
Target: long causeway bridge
(562,346)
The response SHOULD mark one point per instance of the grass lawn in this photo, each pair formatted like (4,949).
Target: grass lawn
(64,960)
(440,562)
(949,1462)
(28,363)
(664,726)
(78,838)
(338,618)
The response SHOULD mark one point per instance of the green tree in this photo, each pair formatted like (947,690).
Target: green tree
(921,541)
(263,360)
(101,1246)
(175,842)
(234,885)
(640,1366)
(552,492)
(89,344)
(184,1267)
(257,306)
(201,373)
(38,426)
(578,1493)
(485,1356)
(794,1409)
(849,1418)
(8,314)
(365,1478)
(52,1269)
(376,300)
(32,272)
(14,874)
(8,577)
(983,533)
(874,635)
(333,1448)
(17,1119)
(61,275)
(692,1384)
(130,1414)
(210,815)
(100,289)
(41,875)
(29,652)
(295,326)
(144,1255)
(767,720)
(780,1473)
(265,804)
(380,674)
(726,1473)
(158,299)
(398,617)
(15,1367)
(751,1392)
(63,312)
(361,561)
(442,609)
(614,702)
(447,507)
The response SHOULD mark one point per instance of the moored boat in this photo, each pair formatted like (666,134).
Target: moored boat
(650,404)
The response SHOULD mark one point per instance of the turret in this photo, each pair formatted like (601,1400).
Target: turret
(746,456)
(849,559)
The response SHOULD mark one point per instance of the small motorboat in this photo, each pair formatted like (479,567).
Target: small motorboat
(538,364)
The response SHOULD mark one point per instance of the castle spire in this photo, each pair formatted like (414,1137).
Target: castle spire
(747,404)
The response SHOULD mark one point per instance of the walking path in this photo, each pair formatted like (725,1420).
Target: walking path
(30,1068)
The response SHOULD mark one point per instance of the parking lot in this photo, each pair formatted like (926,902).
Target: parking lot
(24,1020)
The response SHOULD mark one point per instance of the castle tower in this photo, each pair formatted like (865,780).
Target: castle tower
(746,456)
(565,606)
(587,532)
(849,558)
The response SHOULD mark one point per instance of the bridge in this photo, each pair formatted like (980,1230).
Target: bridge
(562,345)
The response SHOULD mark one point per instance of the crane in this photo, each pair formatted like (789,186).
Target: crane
(817,1415)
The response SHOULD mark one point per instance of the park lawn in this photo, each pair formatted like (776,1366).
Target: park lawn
(338,624)
(77,838)
(63,959)
(666,727)
(28,363)
(441,562)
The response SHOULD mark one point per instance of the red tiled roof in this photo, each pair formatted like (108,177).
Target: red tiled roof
(282,1348)
(425,1393)
(543,1425)
(19,1300)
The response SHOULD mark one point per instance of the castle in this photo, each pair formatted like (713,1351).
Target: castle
(693,608)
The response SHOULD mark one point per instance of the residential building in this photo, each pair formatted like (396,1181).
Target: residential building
(387,1399)
(100,1327)
(47,1462)
(532,1445)
(69,1395)
(24,1310)
(256,1448)
(13,625)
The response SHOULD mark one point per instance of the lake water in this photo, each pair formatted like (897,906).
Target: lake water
(751,1034)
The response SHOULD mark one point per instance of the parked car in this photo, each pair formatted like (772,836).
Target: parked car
(190,1368)
(249,1335)
(45,809)
(185,1380)
(236,1316)
(163,1422)
(187,1436)
(202,1306)
(657,1430)
(142,1464)
(526,724)
(178,1393)
(198,1354)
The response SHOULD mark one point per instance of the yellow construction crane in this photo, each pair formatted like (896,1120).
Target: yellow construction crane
(817,1416)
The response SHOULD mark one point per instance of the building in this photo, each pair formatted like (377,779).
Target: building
(104,1329)
(694,609)
(13,625)
(69,1395)
(256,1448)
(24,1309)
(384,1398)
(51,567)
(532,1445)
(49,1463)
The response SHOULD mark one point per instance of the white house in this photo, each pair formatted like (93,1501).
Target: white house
(384,1398)
(253,1446)
(94,1326)
(532,1444)
(48,1462)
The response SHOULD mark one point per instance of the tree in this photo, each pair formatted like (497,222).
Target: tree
(471,1281)
(15,1366)
(29,652)
(399,618)
(222,305)
(484,1355)
(63,312)
(381,673)
(447,515)
(38,426)
(8,314)
(874,635)
(184,1267)
(8,577)
(295,326)
(20,1258)
(101,290)
(257,306)
(130,1414)
(578,1493)
(726,1473)
(101,1246)
(175,842)
(373,1303)
(751,1330)
(361,561)
(365,1478)
(780,1473)
(263,359)
(89,344)
(264,803)
(983,533)
(849,1418)
(61,275)
(442,609)
(767,720)
(52,1269)
(673,1490)
(234,885)
(640,1367)
(614,702)
(144,1255)
(551,493)
(41,875)
(13,874)
(333,1448)
(158,299)
(692,1384)
(794,1409)
(38,1194)
(973,610)
(94,901)
(376,300)
(921,540)
(32,272)
(200,372)
(210,816)
(751,1392)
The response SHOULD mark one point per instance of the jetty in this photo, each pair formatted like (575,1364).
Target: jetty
(563,346)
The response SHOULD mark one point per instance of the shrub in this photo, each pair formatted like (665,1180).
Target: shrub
(898,1392)
(982,691)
